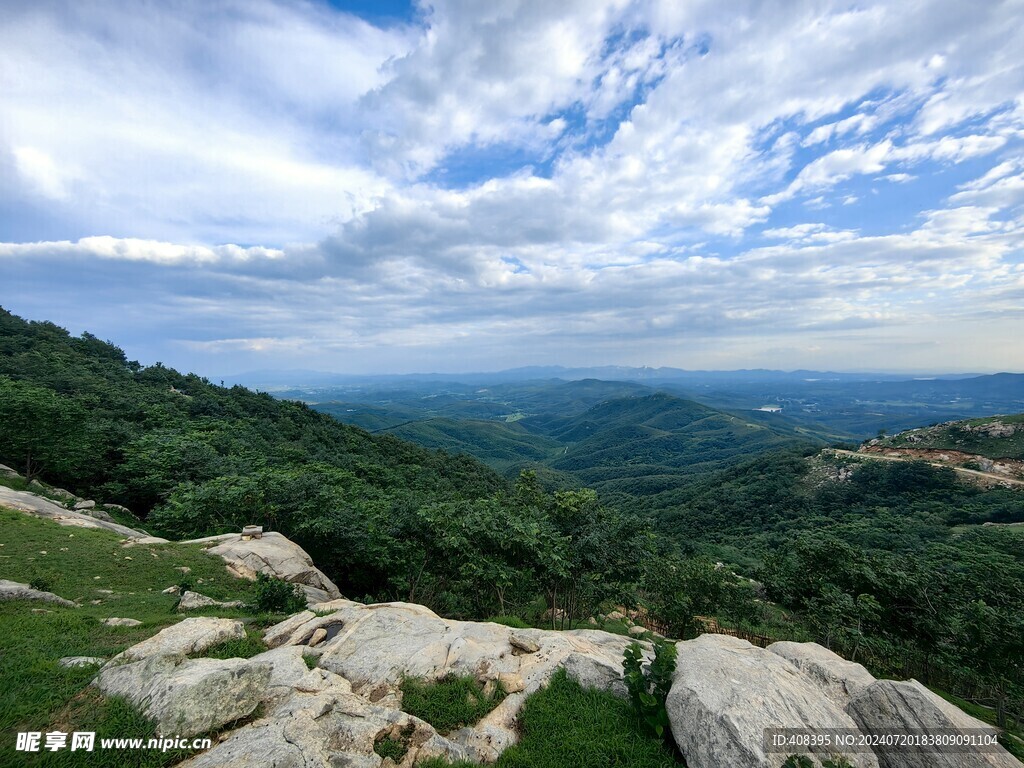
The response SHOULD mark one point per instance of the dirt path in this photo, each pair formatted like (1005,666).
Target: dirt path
(1001,479)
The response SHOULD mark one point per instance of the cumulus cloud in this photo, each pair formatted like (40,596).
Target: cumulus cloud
(511,175)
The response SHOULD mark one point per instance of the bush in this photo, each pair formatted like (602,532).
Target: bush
(649,689)
(278,596)
(449,703)
(41,583)
(509,621)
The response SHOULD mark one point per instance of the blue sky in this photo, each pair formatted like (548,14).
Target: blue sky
(391,187)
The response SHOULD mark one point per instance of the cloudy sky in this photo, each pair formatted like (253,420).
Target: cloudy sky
(456,185)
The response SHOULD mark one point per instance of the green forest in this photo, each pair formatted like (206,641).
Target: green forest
(898,565)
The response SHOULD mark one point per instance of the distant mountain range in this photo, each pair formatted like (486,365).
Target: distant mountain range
(299,378)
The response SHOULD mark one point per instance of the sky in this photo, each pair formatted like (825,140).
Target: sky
(454,185)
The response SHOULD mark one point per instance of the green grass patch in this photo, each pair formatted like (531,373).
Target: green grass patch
(88,565)
(1012,738)
(245,648)
(567,726)
(449,703)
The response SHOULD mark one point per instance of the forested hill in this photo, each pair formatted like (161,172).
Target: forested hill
(386,519)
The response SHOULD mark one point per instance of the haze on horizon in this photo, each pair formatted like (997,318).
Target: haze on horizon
(458,186)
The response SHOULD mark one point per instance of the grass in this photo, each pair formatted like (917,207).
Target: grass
(567,726)
(90,565)
(449,703)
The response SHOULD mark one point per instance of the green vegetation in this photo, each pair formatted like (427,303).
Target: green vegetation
(649,688)
(566,726)
(449,703)
(109,580)
(277,596)
(997,437)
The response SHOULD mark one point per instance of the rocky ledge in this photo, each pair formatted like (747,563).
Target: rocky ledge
(724,694)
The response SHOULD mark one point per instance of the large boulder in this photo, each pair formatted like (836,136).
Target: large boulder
(840,679)
(891,706)
(186,638)
(188,696)
(274,555)
(374,646)
(15,590)
(726,692)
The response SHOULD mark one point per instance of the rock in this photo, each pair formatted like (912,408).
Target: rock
(888,706)
(63,494)
(14,590)
(726,692)
(115,622)
(524,644)
(374,646)
(80,661)
(318,636)
(6,471)
(188,696)
(187,637)
(322,723)
(191,601)
(86,504)
(252,531)
(172,590)
(841,680)
(274,555)
(118,508)
(637,631)
(32,504)
(99,514)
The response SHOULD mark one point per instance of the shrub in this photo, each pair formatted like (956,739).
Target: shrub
(278,596)
(449,703)
(509,621)
(649,689)
(41,583)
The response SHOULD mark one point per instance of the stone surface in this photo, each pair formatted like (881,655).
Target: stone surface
(637,631)
(6,471)
(32,504)
(85,504)
(187,637)
(188,696)
(725,692)
(191,601)
(15,590)
(273,555)
(840,679)
(374,646)
(117,622)
(80,661)
(889,705)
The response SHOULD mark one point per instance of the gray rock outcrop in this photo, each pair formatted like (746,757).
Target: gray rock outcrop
(274,555)
(188,637)
(30,503)
(188,696)
(14,590)
(374,646)
(841,680)
(191,601)
(889,706)
(726,692)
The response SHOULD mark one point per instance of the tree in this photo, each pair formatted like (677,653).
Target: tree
(41,431)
